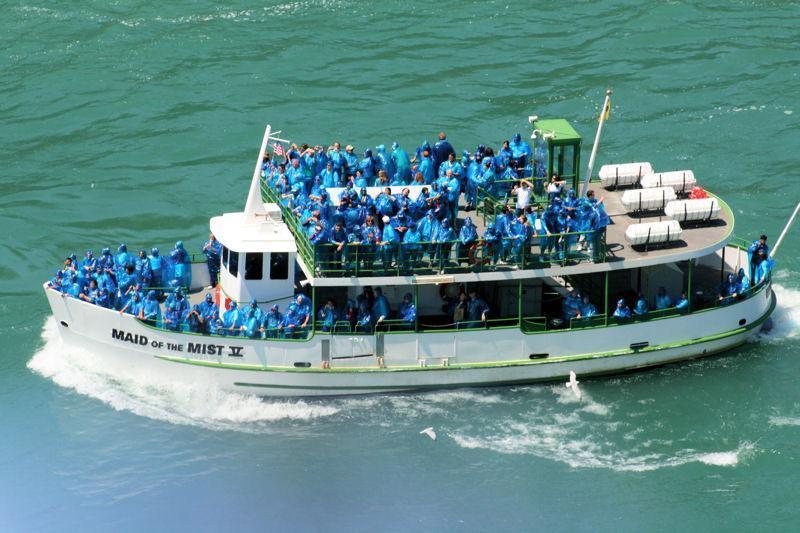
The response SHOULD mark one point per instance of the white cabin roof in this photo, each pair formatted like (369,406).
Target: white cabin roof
(266,233)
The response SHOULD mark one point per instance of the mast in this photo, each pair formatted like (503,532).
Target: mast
(603,117)
(255,204)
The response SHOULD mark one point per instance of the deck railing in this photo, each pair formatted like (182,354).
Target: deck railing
(448,257)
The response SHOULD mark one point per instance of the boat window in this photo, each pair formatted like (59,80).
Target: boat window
(279,265)
(253,266)
(225,256)
(234,264)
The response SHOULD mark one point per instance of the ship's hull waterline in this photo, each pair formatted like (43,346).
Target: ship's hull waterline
(469,358)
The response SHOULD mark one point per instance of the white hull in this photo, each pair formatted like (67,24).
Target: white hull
(457,359)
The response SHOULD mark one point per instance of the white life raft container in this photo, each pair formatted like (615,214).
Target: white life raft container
(680,180)
(700,210)
(653,233)
(625,174)
(647,199)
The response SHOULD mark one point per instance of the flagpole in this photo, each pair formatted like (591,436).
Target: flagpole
(603,113)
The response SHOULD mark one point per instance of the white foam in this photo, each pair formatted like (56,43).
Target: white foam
(177,403)
(784,421)
(557,444)
(786,317)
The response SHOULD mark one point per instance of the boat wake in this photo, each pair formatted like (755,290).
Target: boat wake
(786,317)
(588,437)
(168,401)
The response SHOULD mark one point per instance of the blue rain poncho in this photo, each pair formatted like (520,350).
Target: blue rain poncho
(519,148)
(233,319)
(272,320)
(571,306)
(172,318)
(402,163)
(253,317)
(381,308)
(428,169)
(468,233)
(327,316)
(386,163)
(641,306)
(151,309)
(622,310)
(330,178)
(123,258)
(408,311)
(587,308)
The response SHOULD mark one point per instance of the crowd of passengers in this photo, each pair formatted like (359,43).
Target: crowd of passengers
(397,229)
(733,288)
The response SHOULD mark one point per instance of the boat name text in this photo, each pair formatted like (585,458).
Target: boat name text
(199,348)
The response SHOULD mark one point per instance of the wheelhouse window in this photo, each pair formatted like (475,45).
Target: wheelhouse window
(225,256)
(279,265)
(234,263)
(253,266)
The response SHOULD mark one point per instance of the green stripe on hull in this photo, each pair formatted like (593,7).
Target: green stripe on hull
(470,366)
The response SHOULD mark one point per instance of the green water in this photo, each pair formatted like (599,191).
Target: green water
(136,121)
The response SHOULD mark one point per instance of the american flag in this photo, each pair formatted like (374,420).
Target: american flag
(278,149)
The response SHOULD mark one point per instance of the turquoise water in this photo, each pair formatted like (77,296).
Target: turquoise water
(137,121)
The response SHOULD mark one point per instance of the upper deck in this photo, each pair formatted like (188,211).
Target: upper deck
(402,266)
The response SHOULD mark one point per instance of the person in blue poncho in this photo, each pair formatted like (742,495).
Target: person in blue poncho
(289,325)
(467,239)
(272,322)
(350,161)
(502,227)
(494,241)
(642,307)
(444,242)
(385,162)
(330,177)
(364,321)
(402,163)
(477,309)
(411,249)
(134,306)
(338,237)
(328,316)
(622,310)
(253,317)
(126,280)
(172,317)
(180,301)
(754,253)
(195,321)
(232,320)
(408,311)
(427,167)
(386,203)
(123,258)
(208,309)
(336,157)
(742,283)
(388,243)
(212,250)
(152,310)
(368,166)
(144,274)
(763,268)
(106,260)
(381,310)
(304,313)
(89,262)
(157,268)
(520,153)
(571,306)
(587,309)
(360,180)
(181,266)
(663,300)
(683,303)
(727,289)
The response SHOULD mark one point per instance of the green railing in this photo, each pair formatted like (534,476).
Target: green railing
(452,257)
(304,248)
(449,257)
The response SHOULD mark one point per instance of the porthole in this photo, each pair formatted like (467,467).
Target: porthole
(742,322)
(538,356)
(64,324)
(302,364)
